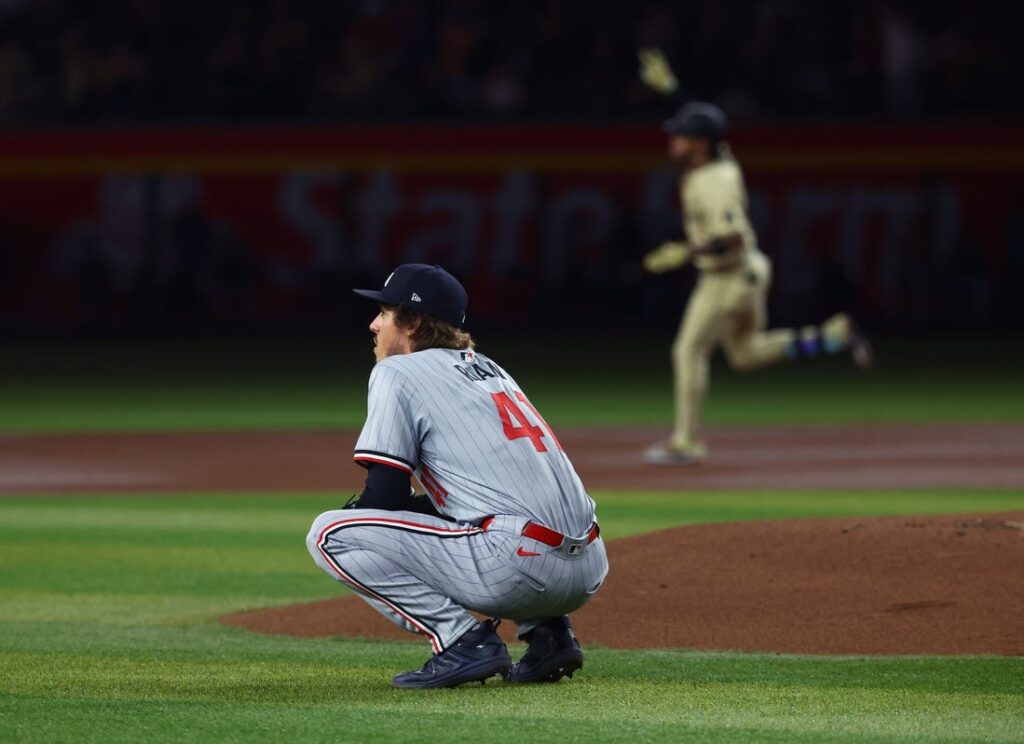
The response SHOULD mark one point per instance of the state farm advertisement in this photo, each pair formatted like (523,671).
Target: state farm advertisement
(273,227)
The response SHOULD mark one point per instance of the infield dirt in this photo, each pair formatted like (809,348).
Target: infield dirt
(887,456)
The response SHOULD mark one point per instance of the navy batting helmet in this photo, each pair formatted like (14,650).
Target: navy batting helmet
(698,119)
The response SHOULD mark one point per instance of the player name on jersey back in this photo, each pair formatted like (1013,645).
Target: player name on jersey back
(478,370)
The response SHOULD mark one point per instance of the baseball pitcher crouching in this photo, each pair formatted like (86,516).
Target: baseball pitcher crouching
(505,528)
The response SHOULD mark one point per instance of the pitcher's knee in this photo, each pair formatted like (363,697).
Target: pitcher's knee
(315,535)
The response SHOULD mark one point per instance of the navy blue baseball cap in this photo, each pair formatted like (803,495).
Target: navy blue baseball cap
(427,289)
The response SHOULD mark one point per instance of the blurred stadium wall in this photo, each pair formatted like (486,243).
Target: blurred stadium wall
(914,227)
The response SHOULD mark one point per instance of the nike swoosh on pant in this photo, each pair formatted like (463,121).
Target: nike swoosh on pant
(525,553)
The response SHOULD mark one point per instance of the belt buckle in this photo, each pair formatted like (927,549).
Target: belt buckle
(573,545)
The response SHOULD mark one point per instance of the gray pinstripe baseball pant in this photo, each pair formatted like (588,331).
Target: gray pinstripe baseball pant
(424,573)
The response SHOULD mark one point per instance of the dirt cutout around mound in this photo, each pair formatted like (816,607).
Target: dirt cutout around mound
(905,585)
(765,457)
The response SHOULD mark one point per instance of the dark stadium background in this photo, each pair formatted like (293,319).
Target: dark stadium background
(231,169)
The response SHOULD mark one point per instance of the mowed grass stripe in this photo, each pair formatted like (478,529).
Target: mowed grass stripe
(187,386)
(829,395)
(210,643)
(102,721)
(358,695)
(217,517)
(245,513)
(90,579)
(628,514)
(126,558)
(55,644)
(122,610)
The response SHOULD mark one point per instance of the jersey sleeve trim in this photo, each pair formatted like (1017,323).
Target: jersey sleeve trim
(382,458)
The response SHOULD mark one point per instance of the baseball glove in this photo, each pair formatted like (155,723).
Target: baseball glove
(667,256)
(656,73)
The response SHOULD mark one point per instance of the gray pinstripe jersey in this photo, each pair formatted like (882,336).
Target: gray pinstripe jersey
(462,426)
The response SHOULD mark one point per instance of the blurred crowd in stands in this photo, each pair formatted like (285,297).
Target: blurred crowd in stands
(67,62)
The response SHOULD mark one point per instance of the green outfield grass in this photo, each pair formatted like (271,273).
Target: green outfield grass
(174,385)
(107,634)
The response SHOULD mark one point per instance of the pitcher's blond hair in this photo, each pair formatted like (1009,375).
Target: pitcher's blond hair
(431,333)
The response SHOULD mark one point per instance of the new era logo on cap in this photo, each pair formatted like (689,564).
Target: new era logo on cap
(434,291)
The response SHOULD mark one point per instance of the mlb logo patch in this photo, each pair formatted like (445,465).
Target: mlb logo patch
(575,549)
(469,357)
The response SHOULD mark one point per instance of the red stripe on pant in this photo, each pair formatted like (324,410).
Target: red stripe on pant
(435,641)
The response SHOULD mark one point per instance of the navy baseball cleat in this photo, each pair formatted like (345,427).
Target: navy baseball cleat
(478,654)
(553,653)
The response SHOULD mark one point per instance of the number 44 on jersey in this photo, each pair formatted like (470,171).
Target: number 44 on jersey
(508,410)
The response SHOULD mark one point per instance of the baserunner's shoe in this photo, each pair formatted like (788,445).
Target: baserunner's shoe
(835,333)
(478,654)
(840,333)
(665,454)
(553,653)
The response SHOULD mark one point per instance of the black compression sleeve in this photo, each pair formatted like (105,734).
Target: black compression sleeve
(388,488)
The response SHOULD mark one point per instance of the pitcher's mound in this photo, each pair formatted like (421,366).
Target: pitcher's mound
(906,585)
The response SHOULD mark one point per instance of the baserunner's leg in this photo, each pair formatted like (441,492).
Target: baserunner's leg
(699,332)
(747,344)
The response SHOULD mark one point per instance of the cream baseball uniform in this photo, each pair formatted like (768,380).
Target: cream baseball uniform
(729,304)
